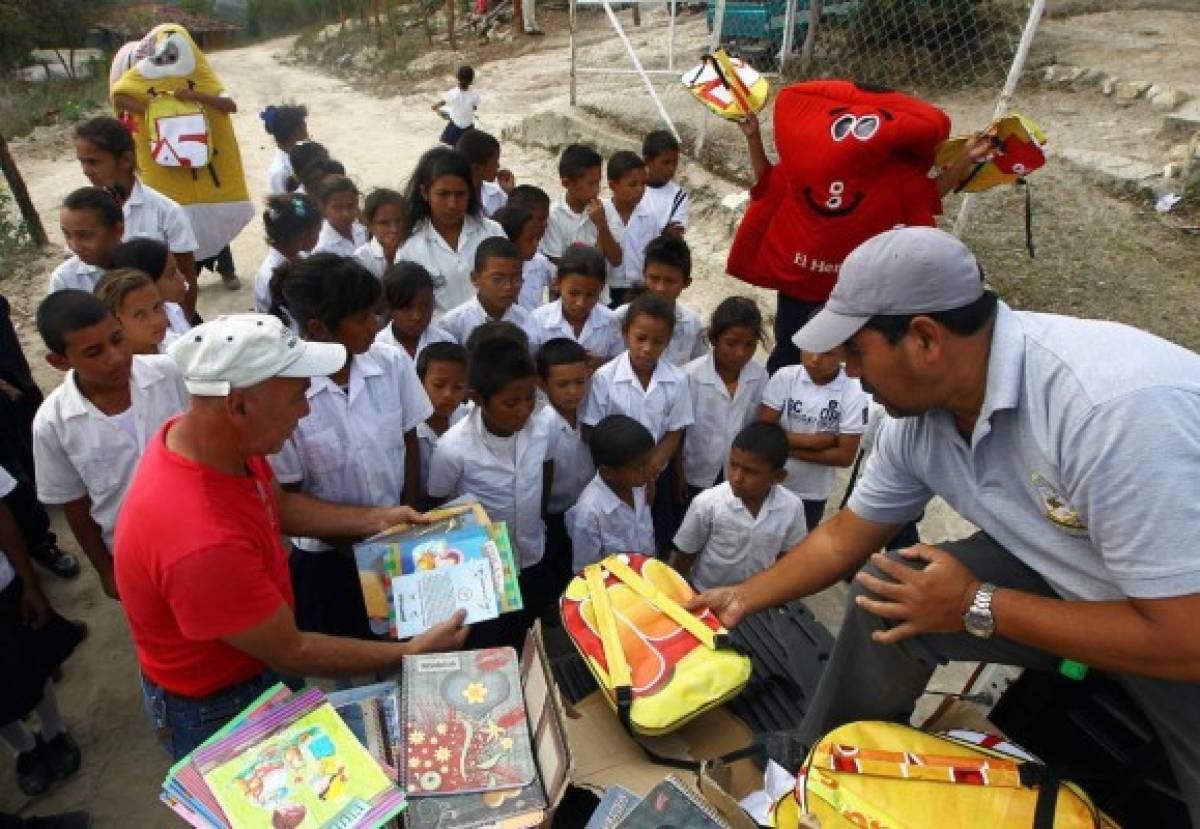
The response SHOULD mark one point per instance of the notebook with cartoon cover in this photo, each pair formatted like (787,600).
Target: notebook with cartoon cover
(372,712)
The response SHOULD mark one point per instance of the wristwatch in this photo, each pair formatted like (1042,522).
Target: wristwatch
(978,620)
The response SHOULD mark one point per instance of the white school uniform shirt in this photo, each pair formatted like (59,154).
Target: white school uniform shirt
(278,173)
(262,280)
(491,197)
(661,200)
(687,337)
(349,448)
(565,227)
(450,268)
(601,334)
(536,275)
(331,241)
(601,524)
(428,440)
(460,321)
(78,450)
(372,257)
(509,486)
(573,467)
(460,105)
(719,417)
(7,484)
(151,215)
(177,324)
(729,543)
(664,406)
(74,274)
(840,406)
(632,236)
(432,334)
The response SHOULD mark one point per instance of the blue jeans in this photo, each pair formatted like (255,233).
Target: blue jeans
(181,724)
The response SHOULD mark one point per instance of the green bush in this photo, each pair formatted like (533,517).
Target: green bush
(16,245)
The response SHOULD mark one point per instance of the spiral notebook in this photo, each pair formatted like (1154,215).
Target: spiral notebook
(673,803)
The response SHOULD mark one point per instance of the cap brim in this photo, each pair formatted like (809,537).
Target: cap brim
(315,360)
(827,330)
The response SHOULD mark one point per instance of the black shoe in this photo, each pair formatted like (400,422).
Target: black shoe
(64,565)
(63,755)
(66,820)
(230,280)
(34,774)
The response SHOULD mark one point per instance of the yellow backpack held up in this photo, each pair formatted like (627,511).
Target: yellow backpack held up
(884,775)
(657,664)
(728,86)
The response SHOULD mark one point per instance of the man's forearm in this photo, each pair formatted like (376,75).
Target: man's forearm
(308,517)
(810,441)
(317,654)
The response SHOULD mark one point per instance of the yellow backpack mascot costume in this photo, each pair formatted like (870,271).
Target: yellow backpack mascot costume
(185,150)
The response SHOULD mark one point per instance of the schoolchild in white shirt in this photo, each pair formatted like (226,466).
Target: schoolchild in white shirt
(358,442)
(563,375)
(738,528)
(132,297)
(93,225)
(384,211)
(537,202)
(341,231)
(89,433)
(458,106)
(579,217)
(630,221)
(408,295)
(726,387)
(288,125)
(445,226)
(151,257)
(497,281)
(640,384)
(611,514)
(666,199)
(503,455)
(578,313)
(537,271)
(824,412)
(306,159)
(494,184)
(292,224)
(668,273)
(442,370)
(105,149)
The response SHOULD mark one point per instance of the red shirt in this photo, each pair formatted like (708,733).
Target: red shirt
(198,557)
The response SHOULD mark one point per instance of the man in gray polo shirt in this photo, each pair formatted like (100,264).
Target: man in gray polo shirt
(1074,445)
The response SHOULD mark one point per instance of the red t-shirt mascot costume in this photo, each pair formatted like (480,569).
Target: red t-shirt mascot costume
(852,163)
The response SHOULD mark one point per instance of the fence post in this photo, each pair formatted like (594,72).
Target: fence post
(671,37)
(571,17)
(714,41)
(637,65)
(789,34)
(1006,95)
(810,37)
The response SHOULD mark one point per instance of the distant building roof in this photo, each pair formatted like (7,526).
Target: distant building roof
(133,22)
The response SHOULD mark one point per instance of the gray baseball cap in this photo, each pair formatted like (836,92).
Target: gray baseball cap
(906,270)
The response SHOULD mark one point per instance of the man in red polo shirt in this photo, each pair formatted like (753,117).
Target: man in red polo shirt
(202,573)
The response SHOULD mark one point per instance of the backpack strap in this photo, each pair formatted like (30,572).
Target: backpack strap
(665,604)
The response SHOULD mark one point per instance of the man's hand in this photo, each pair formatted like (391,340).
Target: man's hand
(726,602)
(442,637)
(506,180)
(35,610)
(930,600)
(384,518)
(982,146)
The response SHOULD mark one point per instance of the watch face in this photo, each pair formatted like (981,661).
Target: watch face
(979,623)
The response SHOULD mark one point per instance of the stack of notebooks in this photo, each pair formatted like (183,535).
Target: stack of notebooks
(672,803)
(289,761)
(414,576)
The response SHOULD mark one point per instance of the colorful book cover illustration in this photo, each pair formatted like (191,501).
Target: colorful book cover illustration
(421,600)
(465,724)
(673,803)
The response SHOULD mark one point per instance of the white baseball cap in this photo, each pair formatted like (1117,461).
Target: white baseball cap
(903,271)
(242,350)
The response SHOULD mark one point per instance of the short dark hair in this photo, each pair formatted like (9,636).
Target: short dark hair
(560,351)
(403,281)
(99,200)
(380,198)
(289,217)
(658,142)
(494,330)
(478,146)
(963,321)
(65,311)
(577,159)
(529,197)
(583,260)
(283,121)
(513,219)
(314,175)
(465,76)
(650,305)
(324,287)
(619,440)
(443,352)
(672,252)
(332,185)
(107,133)
(764,440)
(495,247)
(736,312)
(622,163)
(301,156)
(504,362)
(147,255)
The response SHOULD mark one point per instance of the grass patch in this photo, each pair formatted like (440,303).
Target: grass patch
(24,106)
